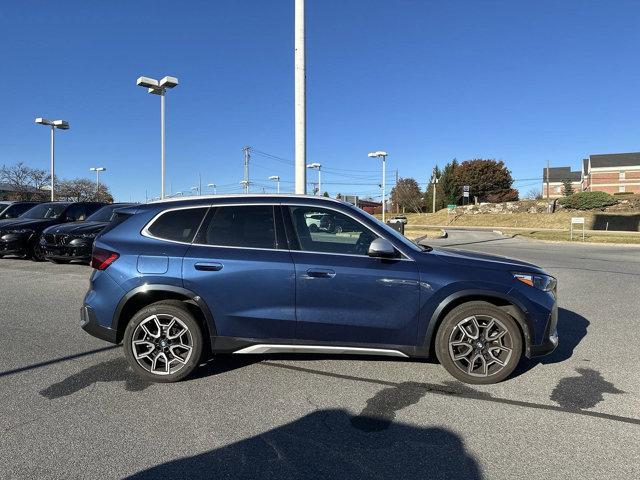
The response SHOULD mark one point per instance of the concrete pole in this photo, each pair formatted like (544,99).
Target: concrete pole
(162,145)
(384,179)
(53,162)
(300,101)
(435,182)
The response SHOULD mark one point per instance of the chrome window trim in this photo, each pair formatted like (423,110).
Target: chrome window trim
(145,231)
(354,219)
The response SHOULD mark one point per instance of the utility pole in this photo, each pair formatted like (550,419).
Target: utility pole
(300,100)
(434,182)
(199,184)
(548,165)
(396,185)
(247,156)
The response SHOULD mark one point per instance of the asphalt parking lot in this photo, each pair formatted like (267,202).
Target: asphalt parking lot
(70,408)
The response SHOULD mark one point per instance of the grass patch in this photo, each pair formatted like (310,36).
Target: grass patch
(577,237)
(413,233)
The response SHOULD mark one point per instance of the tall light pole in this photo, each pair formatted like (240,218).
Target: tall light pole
(159,88)
(276,179)
(212,186)
(434,182)
(317,166)
(383,155)
(62,125)
(300,100)
(97,170)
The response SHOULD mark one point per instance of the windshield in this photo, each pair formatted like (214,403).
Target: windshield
(45,210)
(414,246)
(104,214)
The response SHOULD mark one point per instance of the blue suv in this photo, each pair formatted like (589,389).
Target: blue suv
(181,280)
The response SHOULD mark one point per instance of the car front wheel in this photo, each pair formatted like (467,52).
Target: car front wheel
(163,342)
(479,343)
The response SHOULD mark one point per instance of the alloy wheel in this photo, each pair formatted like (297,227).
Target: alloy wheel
(162,344)
(480,345)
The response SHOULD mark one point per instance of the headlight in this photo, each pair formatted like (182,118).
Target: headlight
(545,283)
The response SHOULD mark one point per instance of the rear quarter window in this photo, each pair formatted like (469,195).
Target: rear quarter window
(177,225)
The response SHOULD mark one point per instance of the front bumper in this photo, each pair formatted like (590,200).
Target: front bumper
(550,337)
(13,244)
(89,323)
(72,249)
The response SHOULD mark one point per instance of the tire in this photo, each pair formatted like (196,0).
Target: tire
(36,254)
(59,261)
(464,351)
(161,363)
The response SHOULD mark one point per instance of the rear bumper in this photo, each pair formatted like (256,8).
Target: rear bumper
(89,324)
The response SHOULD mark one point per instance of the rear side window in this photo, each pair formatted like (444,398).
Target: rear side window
(250,226)
(178,225)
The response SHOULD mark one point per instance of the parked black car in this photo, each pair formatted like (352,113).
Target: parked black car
(11,210)
(74,241)
(20,236)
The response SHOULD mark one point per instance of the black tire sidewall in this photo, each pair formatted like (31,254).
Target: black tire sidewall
(169,308)
(449,323)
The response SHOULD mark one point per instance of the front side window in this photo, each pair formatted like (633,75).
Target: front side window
(178,225)
(249,226)
(76,213)
(328,231)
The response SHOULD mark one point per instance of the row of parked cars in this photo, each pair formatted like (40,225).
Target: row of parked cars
(56,231)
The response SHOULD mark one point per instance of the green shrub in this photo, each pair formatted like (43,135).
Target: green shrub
(588,200)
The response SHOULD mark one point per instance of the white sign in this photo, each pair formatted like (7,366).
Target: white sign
(576,221)
(465,194)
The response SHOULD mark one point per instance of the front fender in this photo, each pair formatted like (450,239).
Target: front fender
(457,293)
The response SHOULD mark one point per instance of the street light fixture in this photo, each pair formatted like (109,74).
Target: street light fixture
(383,155)
(317,166)
(97,170)
(195,189)
(213,186)
(276,179)
(159,87)
(62,125)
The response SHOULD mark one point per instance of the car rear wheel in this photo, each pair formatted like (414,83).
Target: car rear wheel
(163,342)
(478,343)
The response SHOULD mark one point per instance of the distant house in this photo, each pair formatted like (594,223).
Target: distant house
(557,177)
(8,192)
(611,173)
(370,206)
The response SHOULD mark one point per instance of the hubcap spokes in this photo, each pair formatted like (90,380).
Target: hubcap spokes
(480,345)
(162,344)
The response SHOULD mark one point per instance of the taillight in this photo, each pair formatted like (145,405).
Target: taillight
(101,259)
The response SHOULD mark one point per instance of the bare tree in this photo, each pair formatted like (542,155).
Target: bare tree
(24,182)
(82,189)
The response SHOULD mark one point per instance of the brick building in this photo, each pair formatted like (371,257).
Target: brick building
(557,177)
(611,173)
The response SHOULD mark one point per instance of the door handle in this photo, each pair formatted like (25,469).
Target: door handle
(321,273)
(208,267)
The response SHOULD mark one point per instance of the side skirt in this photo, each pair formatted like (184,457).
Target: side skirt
(274,348)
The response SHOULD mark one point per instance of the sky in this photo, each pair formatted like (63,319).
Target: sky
(427,81)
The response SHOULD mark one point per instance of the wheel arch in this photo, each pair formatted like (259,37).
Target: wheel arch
(144,295)
(502,301)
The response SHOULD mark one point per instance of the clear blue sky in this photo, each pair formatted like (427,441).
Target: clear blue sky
(427,81)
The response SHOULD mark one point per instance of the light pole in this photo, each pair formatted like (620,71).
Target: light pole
(317,166)
(276,179)
(97,170)
(434,182)
(213,186)
(300,99)
(62,125)
(159,88)
(195,189)
(383,155)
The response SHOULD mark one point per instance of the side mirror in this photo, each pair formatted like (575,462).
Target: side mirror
(382,248)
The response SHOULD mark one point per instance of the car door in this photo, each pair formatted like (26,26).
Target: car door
(244,272)
(343,295)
